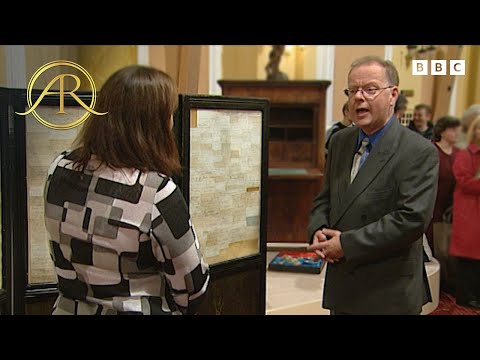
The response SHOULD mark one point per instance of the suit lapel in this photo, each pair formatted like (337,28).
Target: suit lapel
(376,160)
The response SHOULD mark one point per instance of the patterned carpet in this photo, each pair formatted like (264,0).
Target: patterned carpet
(447,306)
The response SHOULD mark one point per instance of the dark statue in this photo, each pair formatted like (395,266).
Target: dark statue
(273,66)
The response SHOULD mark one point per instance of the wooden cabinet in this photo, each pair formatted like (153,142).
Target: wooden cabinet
(296,150)
(292,142)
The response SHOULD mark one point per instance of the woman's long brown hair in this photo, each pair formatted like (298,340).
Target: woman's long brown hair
(136,132)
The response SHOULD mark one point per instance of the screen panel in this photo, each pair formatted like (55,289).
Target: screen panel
(225,182)
(43,144)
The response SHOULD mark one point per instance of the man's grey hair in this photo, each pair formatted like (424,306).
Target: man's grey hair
(471,113)
(390,69)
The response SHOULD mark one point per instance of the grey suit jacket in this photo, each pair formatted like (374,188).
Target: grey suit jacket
(382,216)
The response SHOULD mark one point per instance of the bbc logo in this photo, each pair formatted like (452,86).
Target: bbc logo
(438,67)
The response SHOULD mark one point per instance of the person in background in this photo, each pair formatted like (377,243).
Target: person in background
(446,133)
(468,116)
(344,123)
(400,106)
(422,121)
(465,243)
(120,233)
(446,130)
(376,202)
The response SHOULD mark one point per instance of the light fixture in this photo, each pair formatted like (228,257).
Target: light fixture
(422,53)
(411,49)
(431,50)
(289,49)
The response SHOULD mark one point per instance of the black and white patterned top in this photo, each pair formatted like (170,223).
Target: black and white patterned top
(122,242)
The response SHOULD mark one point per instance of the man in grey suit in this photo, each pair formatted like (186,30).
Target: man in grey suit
(378,197)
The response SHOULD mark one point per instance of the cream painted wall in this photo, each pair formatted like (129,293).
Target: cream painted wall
(188,65)
(156,54)
(344,56)
(300,62)
(240,62)
(38,55)
(468,86)
(472,76)
(407,80)
(101,61)
(203,78)
(288,62)
(172,55)
(310,65)
(462,103)
(262,61)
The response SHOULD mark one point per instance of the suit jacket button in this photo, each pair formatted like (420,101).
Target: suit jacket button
(364,217)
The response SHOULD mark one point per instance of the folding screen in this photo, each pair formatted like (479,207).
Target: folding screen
(223,150)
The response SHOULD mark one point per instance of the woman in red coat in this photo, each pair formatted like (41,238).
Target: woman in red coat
(465,241)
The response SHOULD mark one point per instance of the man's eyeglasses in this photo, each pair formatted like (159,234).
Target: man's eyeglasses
(369,92)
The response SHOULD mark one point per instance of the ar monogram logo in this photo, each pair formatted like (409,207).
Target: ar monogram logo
(62,93)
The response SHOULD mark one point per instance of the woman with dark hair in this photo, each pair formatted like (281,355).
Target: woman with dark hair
(119,229)
(446,133)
